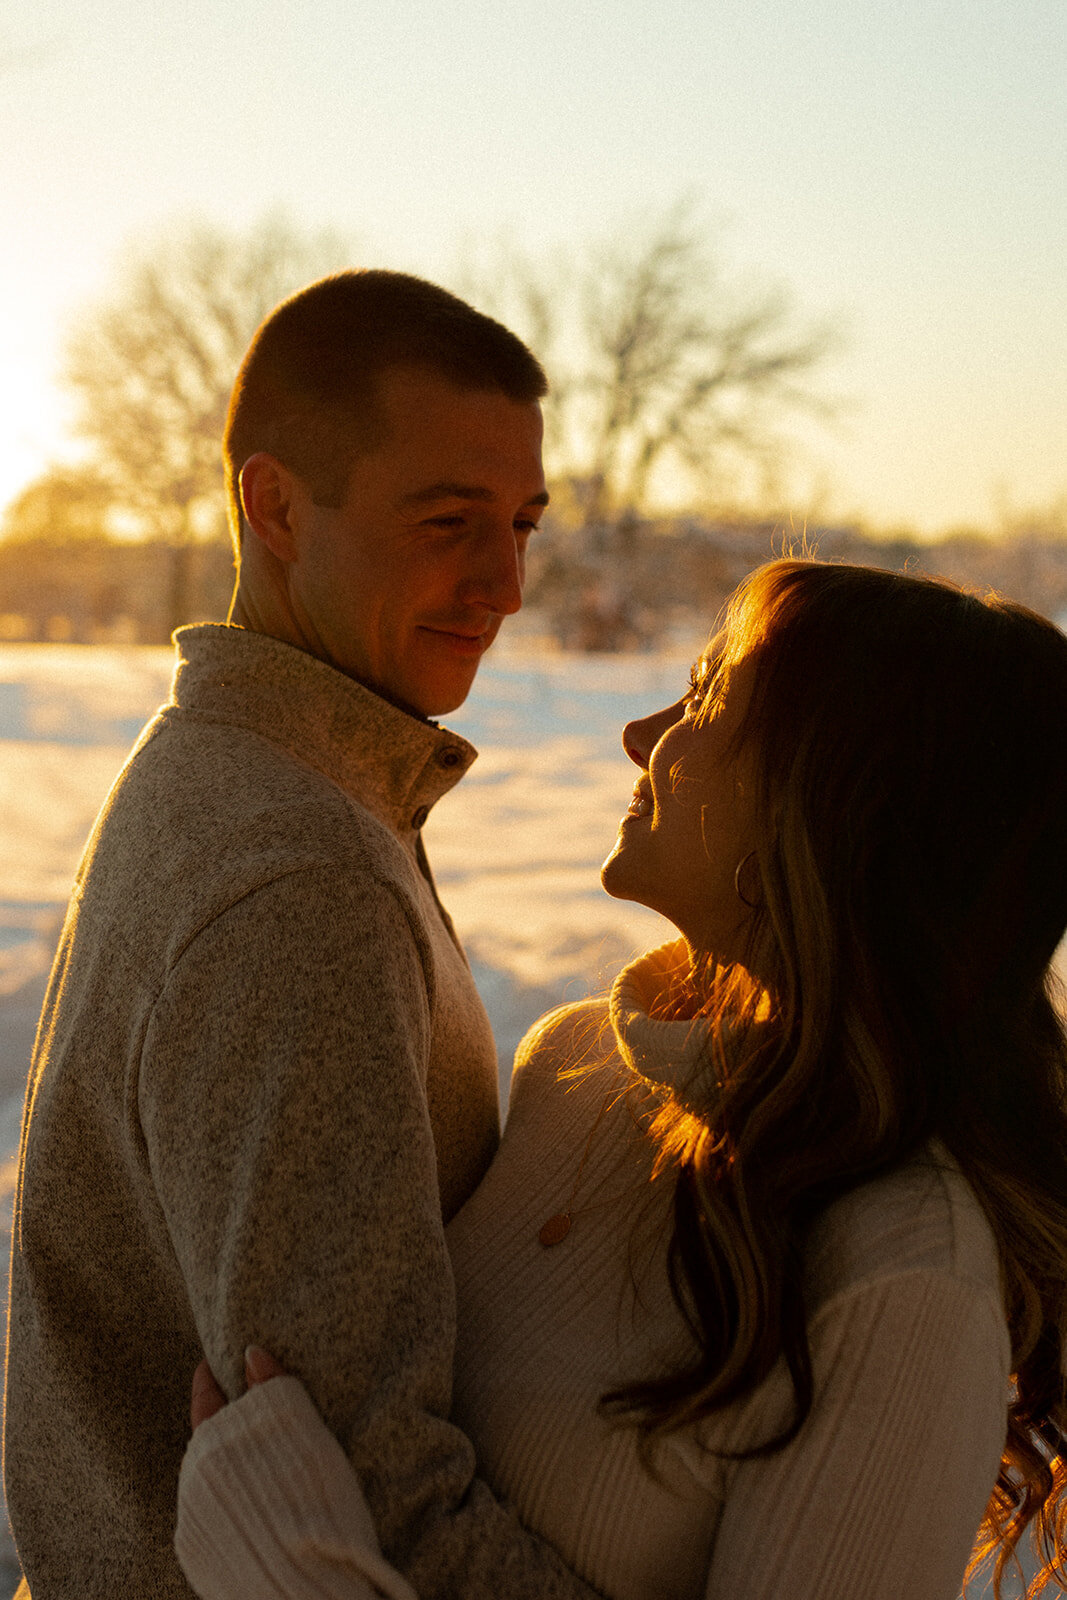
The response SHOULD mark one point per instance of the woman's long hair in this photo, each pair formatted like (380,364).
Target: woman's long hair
(909,747)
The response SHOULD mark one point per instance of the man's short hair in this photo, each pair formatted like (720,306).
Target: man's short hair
(307,387)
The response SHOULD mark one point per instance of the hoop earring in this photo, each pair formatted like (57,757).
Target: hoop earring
(753,905)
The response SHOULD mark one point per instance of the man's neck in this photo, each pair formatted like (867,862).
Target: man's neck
(245,613)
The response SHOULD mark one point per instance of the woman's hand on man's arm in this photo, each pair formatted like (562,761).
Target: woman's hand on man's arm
(269,1507)
(208,1398)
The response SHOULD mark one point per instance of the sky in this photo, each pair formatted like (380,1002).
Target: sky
(899,165)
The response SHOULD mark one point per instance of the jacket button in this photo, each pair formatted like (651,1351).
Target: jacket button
(449,756)
(420,817)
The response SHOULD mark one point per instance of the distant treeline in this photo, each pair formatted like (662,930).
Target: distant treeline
(623,585)
(96,590)
(660,363)
(631,586)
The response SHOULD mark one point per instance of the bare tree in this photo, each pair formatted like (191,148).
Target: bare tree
(657,361)
(151,368)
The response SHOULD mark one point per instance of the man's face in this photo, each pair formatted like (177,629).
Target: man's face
(405,586)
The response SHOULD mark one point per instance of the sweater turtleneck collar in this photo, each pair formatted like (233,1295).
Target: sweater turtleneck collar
(668,1054)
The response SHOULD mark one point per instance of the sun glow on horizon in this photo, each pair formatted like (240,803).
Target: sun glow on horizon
(907,181)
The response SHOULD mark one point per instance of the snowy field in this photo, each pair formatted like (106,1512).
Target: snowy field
(516,849)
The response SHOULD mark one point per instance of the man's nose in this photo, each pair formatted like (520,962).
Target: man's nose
(499,575)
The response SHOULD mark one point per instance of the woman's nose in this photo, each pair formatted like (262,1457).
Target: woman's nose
(635,744)
(631,744)
(640,737)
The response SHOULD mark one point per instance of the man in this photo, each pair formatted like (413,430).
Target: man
(263,1077)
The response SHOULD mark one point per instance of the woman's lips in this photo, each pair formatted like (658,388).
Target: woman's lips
(641,804)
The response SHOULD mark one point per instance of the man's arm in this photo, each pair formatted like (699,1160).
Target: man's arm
(282,1098)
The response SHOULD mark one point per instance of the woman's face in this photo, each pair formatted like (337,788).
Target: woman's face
(690,822)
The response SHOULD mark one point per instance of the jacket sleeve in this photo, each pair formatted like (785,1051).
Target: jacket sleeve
(882,1492)
(282,1098)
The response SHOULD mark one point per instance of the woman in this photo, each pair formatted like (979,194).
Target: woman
(783,1216)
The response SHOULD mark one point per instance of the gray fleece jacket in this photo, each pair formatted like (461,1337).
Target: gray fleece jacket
(263,1077)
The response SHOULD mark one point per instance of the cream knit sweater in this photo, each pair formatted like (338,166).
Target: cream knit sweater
(879,1497)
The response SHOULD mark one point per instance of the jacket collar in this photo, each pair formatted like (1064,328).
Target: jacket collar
(394,763)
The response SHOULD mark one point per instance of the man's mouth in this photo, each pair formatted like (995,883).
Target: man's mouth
(461,641)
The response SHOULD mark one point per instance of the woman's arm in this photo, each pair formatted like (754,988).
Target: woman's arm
(269,1507)
(882,1492)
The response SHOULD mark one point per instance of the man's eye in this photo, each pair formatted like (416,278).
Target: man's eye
(454,521)
(526,525)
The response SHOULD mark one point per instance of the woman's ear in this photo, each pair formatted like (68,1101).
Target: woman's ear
(269,492)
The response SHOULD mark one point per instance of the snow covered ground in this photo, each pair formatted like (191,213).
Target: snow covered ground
(516,849)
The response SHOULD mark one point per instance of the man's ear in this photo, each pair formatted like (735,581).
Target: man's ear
(270,499)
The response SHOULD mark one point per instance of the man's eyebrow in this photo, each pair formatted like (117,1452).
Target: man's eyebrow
(447,490)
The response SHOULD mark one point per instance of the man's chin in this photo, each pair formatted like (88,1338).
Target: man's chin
(451,665)
(442,708)
(441,698)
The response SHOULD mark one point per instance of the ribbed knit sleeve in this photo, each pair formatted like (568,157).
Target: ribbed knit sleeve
(269,1508)
(881,1494)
